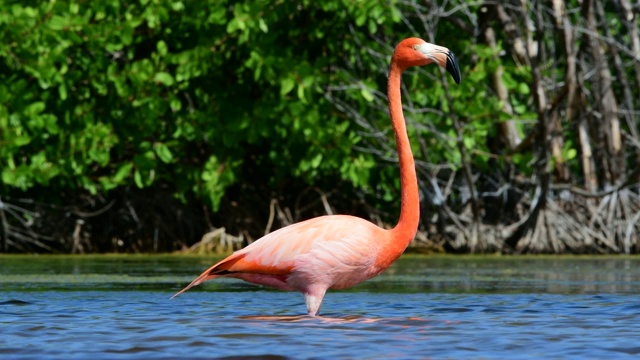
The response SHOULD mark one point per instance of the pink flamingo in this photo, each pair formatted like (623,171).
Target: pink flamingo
(340,251)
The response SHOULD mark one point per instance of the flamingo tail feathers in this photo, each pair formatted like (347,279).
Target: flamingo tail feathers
(216,271)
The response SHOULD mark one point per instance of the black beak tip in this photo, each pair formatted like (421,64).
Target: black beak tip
(452,67)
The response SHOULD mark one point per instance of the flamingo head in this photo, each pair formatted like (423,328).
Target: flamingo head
(417,52)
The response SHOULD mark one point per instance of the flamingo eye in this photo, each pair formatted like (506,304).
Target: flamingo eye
(415,47)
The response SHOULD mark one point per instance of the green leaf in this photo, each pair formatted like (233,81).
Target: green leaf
(300,92)
(138,179)
(286,85)
(177,6)
(216,177)
(162,48)
(122,173)
(62,91)
(233,25)
(316,161)
(163,152)
(523,88)
(175,104)
(469,142)
(35,108)
(361,18)
(58,22)
(263,26)
(164,78)
(366,94)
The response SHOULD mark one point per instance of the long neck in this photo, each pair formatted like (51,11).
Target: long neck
(407,226)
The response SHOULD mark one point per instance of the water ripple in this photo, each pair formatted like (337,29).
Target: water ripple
(521,313)
(128,325)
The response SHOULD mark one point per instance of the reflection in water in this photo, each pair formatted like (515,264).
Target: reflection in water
(556,275)
(350,319)
(289,318)
(442,307)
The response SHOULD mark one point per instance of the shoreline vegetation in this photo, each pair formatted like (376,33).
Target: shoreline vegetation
(172,126)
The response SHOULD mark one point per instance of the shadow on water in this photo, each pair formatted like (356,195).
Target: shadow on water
(15,302)
(349,319)
(254,357)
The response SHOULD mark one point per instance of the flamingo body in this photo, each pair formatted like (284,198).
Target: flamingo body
(327,252)
(340,251)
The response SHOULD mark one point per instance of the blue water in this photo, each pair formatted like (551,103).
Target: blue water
(70,313)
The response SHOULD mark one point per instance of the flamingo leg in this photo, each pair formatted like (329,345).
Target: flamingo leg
(313,299)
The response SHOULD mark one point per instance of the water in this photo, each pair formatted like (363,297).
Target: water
(113,307)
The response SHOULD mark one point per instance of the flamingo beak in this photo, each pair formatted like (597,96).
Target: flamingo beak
(452,66)
(443,57)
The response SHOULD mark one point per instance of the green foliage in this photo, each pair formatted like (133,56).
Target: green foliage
(101,95)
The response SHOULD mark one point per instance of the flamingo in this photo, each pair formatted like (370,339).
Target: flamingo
(340,251)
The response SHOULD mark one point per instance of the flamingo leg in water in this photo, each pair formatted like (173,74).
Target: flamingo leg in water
(313,299)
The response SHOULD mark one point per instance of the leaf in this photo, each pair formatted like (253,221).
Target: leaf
(263,26)
(138,179)
(216,178)
(122,173)
(62,91)
(286,85)
(162,48)
(177,6)
(19,141)
(316,161)
(57,23)
(35,108)
(469,142)
(99,155)
(361,18)
(164,78)
(366,94)
(301,93)
(233,25)
(523,88)
(50,123)
(175,104)
(163,152)
(89,185)
(373,27)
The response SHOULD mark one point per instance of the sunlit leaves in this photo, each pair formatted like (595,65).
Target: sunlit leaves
(160,92)
(163,78)
(216,177)
(58,22)
(366,94)
(163,152)
(286,85)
